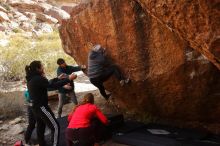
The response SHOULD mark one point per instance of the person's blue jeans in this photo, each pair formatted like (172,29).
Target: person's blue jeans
(62,99)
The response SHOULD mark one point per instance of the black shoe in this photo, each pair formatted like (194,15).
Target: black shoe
(108,96)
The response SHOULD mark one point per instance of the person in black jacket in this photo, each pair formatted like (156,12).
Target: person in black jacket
(63,68)
(37,85)
(100,70)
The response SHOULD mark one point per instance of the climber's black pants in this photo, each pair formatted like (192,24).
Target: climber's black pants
(107,73)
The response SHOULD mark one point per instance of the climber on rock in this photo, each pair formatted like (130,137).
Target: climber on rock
(100,70)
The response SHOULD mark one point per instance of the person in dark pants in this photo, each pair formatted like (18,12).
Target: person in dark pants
(69,88)
(100,70)
(31,119)
(80,130)
(37,85)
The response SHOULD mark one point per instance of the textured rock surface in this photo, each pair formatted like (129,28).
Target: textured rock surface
(28,5)
(46,18)
(3,9)
(68,9)
(3,17)
(24,15)
(57,13)
(39,7)
(196,21)
(159,45)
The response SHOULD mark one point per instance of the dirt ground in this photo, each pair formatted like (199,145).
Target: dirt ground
(82,86)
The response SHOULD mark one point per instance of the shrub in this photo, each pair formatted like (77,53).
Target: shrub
(22,50)
(7,7)
(17,30)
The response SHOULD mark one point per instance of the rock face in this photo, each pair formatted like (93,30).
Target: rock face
(46,18)
(3,17)
(68,9)
(28,5)
(24,15)
(196,21)
(39,7)
(57,13)
(166,48)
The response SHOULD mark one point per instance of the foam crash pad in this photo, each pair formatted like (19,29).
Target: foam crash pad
(63,124)
(115,121)
(140,139)
(160,135)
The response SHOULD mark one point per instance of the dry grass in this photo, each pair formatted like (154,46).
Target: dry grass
(11,105)
(22,50)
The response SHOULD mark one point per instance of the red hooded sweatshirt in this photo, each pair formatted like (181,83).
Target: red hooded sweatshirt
(81,117)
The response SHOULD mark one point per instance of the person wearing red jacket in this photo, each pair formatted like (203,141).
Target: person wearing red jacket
(80,131)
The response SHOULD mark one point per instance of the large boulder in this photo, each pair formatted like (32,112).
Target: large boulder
(68,8)
(46,18)
(164,47)
(3,9)
(26,26)
(19,17)
(43,27)
(196,21)
(41,8)
(29,5)
(3,17)
(2,28)
(13,25)
(30,15)
(57,13)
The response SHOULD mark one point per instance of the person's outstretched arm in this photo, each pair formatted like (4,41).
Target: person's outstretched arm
(101,116)
(55,83)
(75,68)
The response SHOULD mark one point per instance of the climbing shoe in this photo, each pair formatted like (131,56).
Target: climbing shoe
(108,96)
(123,82)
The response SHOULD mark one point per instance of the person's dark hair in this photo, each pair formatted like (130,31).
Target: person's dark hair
(32,69)
(60,61)
(88,98)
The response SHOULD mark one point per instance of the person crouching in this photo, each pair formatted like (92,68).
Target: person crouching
(80,131)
